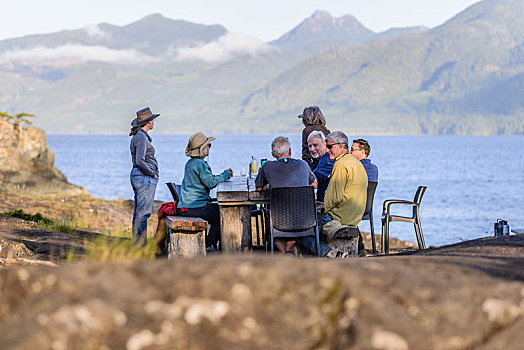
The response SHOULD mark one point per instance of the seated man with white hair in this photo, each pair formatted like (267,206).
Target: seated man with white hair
(324,165)
(288,172)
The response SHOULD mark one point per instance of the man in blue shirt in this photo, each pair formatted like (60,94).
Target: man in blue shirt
(317,148)
(360,150)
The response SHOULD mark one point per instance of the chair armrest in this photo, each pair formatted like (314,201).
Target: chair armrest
(389,202)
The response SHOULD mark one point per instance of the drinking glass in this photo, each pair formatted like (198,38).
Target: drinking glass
(243,172)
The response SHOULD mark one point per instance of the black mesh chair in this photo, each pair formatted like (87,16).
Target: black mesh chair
(293,214)
(415,219)
(175,191)
(368,213)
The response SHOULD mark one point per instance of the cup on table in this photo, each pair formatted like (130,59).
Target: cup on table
(243,172)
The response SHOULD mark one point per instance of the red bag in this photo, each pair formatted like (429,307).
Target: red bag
(167,209)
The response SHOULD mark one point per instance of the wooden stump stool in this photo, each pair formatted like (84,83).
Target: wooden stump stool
(347,243)
(187,236)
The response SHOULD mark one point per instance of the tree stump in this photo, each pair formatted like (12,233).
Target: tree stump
(187,236)
(347,243)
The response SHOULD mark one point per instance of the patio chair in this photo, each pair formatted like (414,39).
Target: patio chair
(175,191)
(368,213)
(415,219)
(293,214)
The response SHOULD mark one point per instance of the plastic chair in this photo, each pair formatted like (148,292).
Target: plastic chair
(368,213)
(293,214)
(415,219)
(175,191)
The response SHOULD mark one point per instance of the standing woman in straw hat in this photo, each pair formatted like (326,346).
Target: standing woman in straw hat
(144,175)
(198,181)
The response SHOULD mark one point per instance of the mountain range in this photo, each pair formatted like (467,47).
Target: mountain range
(463,77)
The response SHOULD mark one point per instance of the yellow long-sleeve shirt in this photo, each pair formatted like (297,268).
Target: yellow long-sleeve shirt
(346,194)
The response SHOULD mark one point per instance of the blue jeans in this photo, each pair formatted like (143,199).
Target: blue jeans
(309,242)
(144,187)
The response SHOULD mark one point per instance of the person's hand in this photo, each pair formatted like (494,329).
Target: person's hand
(230,171)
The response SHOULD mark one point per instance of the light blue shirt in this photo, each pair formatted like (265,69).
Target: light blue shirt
(198,181)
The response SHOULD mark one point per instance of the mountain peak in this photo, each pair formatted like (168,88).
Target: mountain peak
(322,27)
(321,15)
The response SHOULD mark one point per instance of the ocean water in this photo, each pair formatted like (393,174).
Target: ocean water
(472,180)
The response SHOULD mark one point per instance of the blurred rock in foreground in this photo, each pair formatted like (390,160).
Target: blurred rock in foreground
(27,163)
(464,296)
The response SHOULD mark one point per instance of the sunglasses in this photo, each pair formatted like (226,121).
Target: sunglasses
(332,144)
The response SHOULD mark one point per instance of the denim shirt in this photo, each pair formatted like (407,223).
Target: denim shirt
(322,172)
(371,169)
(143,153)
(198,181)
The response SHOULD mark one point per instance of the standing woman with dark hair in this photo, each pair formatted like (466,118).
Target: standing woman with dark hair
(312,119)
(144,175)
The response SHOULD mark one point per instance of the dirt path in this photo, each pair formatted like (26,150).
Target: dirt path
(22,244)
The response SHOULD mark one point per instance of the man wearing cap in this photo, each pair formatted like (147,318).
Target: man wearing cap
(196,185)
(144,175)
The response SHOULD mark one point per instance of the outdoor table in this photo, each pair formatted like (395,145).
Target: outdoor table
(235,197)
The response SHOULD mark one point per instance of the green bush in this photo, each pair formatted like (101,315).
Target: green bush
(19,213)
(43,222)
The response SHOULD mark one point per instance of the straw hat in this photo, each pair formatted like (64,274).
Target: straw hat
(197,142)
(143,117)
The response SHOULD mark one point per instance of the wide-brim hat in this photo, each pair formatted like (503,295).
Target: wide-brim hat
(196,144)
(143,117)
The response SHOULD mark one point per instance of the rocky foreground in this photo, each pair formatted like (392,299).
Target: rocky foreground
(464,296)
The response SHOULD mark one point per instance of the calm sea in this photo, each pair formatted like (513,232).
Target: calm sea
(472,180)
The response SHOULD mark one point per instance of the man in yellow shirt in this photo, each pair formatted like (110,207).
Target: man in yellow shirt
(345,198)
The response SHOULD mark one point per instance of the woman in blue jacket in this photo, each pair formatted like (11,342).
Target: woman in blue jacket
(144,175)
(198,181)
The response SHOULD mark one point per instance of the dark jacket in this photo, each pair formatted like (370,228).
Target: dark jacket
(322,171)
(143,153)
(305,133)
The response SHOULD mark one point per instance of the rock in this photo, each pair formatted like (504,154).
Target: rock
(385,340)
(500,311)
(27,163)
(422,301)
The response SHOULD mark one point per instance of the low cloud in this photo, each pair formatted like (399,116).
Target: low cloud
(81,53)
(96,31)
(223,49)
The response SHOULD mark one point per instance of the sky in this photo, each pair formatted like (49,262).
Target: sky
(264,19)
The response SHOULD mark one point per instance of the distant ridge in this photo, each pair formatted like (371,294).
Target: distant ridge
(155,33)
(465,76)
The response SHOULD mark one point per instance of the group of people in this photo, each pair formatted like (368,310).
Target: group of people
(339,173)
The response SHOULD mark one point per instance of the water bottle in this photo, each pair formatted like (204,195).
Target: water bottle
(253,167)
(505,227)
(501,228)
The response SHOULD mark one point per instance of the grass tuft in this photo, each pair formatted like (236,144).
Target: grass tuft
(105,249)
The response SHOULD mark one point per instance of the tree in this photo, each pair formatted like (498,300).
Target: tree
(18,119)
